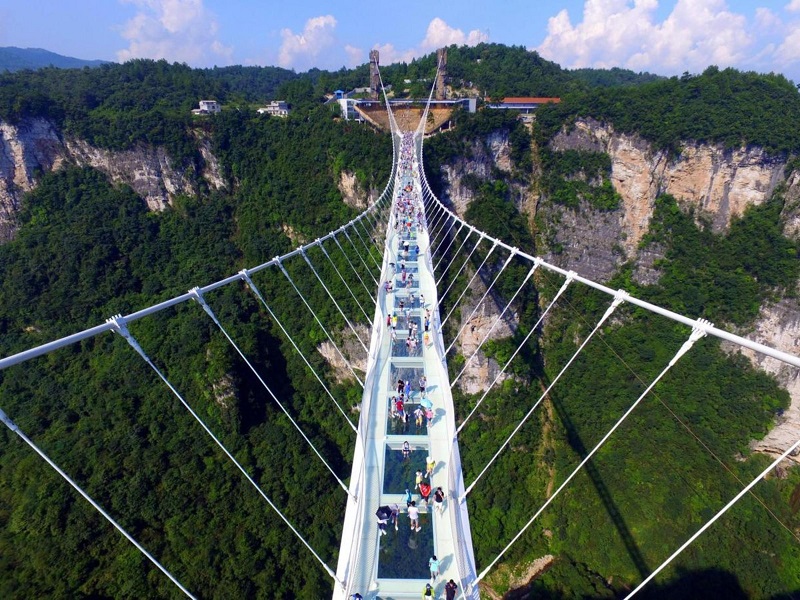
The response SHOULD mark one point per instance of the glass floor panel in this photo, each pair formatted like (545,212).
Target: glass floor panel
(403,553)
(399,473)
(396,426)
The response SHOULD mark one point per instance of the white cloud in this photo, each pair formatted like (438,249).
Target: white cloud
(438,34)
(176,30)
(623,33)
(793,6)
(355,56)
(301,50)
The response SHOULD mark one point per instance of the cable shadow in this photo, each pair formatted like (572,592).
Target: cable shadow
(602,490)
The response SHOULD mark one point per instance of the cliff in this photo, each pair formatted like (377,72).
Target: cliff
(34,146)
(720,183)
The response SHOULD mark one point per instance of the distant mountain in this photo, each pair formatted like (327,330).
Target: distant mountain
(18,59)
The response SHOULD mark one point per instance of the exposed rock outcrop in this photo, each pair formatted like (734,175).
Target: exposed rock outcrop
(350,349)
(477,321)
(778,326)
(720,182)
(35,146)
(353,193)
(484,156)
(149,171)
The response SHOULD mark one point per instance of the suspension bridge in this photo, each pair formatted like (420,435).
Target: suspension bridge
(407,433)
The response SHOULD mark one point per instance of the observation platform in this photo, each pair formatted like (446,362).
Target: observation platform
(395,566)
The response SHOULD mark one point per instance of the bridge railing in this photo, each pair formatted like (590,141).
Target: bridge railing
(457,511)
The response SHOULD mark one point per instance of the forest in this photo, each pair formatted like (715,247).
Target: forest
(87,249)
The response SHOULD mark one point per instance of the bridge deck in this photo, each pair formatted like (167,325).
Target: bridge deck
(395,565)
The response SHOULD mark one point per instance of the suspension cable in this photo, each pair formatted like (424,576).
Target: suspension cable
(349,289)
(450,262)
(335,303)
(354,269)
(444,252)
(438,242)
(618,299)
(698,332)
(15,429)
(788,452)
(361,258)
(486,293)
(461,269)
(366,247)
(120,327)
(521,345)
(494,324)
(474,275)
(316,318)
(201,300)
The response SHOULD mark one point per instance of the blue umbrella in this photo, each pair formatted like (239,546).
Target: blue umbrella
(426,403)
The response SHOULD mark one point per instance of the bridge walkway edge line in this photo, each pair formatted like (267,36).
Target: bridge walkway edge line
(357,567)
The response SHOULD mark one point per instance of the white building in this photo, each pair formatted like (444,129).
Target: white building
(207,107)
(276,108)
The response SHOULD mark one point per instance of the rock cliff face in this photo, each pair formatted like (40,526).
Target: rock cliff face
(480,317)
(35,146)
(485,156)
(720,183)
(353,193)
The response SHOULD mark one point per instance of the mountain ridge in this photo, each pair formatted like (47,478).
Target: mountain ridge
(13,58)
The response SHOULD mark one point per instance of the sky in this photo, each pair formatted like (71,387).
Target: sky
(668,37)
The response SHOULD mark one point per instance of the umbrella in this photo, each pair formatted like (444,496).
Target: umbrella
(383,512)
(426,403)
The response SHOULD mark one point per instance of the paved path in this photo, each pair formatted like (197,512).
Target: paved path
(395,565)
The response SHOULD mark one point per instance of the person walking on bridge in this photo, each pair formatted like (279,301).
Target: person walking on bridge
(450,590)
(433,563)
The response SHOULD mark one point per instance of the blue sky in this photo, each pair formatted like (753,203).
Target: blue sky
(661,36)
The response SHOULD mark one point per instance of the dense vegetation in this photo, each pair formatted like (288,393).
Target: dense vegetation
(674,462)
(573,176)
(725,106)
(86,250)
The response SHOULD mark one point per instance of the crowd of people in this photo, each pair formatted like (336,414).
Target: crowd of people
(412,312)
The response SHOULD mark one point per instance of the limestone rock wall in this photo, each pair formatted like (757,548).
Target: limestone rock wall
(35,146)
(484,156)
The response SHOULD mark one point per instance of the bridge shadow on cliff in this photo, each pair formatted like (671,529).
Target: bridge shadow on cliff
(704,584)
(602,489)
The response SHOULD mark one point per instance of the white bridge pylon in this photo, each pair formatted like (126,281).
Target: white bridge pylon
(396,564)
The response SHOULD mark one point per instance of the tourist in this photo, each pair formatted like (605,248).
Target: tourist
(438,500)
(413,515)
(433,564)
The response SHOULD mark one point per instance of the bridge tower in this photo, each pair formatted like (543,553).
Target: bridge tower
(441,60)
(374,77)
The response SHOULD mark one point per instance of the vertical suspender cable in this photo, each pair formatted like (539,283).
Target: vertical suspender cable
(486,293)
(335,303)
(316,318)
(15,429)
(478,270)
(621,295)
(456,253)
(522,344)
(494,324)
(121,327)
(697,333)
(198,295)
(444,252)
(349,289)
(354,269)
(361,258)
